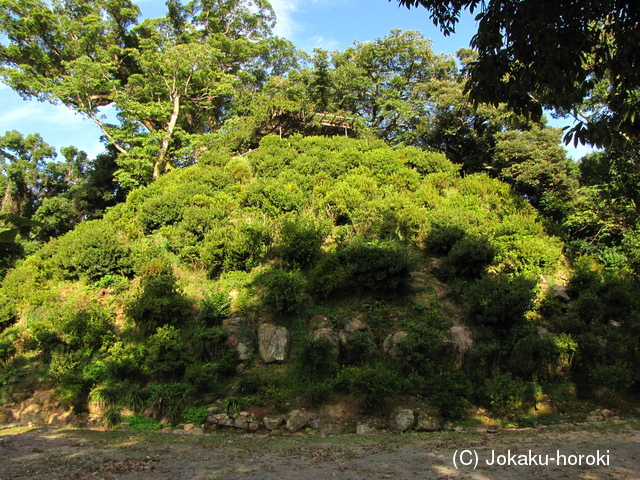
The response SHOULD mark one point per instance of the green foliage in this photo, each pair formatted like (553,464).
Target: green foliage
(360,348)
(283,290)
(317,360)
(450,392)
(422,351)
(157,303)
(142,423)
(500,300)
(165,354)
(469,257)
(214,307)
(363,265)
(300,242)
(505,393)
(169,399)
(195,415)
(92,251)
(371,385)
(233,405)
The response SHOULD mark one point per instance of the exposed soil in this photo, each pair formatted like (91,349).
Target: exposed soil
(70,454)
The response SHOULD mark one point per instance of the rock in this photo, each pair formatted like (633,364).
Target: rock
(429,420)
(594,418)
(188,427)
(212,411)
(297,420)
(197,431)
(316,423)
(273,343)
(271,423)
(240,336)
(212,420)
(254,426)
(332,429)
(179,432)
(355,325)
(224,420)
(43,396)
(59,419)
(241,422)
(390,344)
(332,338)
(560,291)
(320,321)
(364,429)
(461,337)
(404,419)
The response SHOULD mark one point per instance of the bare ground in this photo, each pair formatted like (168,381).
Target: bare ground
(71,454)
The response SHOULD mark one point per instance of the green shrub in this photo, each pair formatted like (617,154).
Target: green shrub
(500,300)
(317,359)
(214,307)
(363,265)
(93,250)
(158,303)
(283,290)
(160,210)
(505,393)
(169,399)
(450,392)
(203,376)
(86,328)
(328,276)
(195,415)
(469,257)
(611,381)
(442,238)
(371,385)
(300,242)
(117,283)
(165,354)
(422,350)
(142,423)
(375,265)
(359,348)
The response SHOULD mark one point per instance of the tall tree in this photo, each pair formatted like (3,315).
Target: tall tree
(536,54)
(167,78)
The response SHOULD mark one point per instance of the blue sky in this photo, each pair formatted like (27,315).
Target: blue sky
(309,24)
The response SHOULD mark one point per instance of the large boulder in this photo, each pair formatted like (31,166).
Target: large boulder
(404,419)
(392,342)
(429,420)
(272,423)
(297,420)
(240,336)
(332,338)
(273,343)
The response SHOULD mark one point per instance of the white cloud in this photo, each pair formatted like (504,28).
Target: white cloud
(318,41)
(285,24)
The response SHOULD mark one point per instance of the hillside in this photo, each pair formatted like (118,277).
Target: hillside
(307,270)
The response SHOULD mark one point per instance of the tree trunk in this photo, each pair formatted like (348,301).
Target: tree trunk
(161,163)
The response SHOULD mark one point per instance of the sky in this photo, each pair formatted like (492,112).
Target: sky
(309,24)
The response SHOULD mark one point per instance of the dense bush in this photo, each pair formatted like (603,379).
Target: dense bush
(282,290)
(300,242)
(157,303)
(500,300)
(371,385)
(93,250)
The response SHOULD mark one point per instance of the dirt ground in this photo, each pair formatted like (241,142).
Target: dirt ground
(70,454)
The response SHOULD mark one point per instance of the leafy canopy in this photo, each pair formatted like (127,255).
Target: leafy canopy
(536,54)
